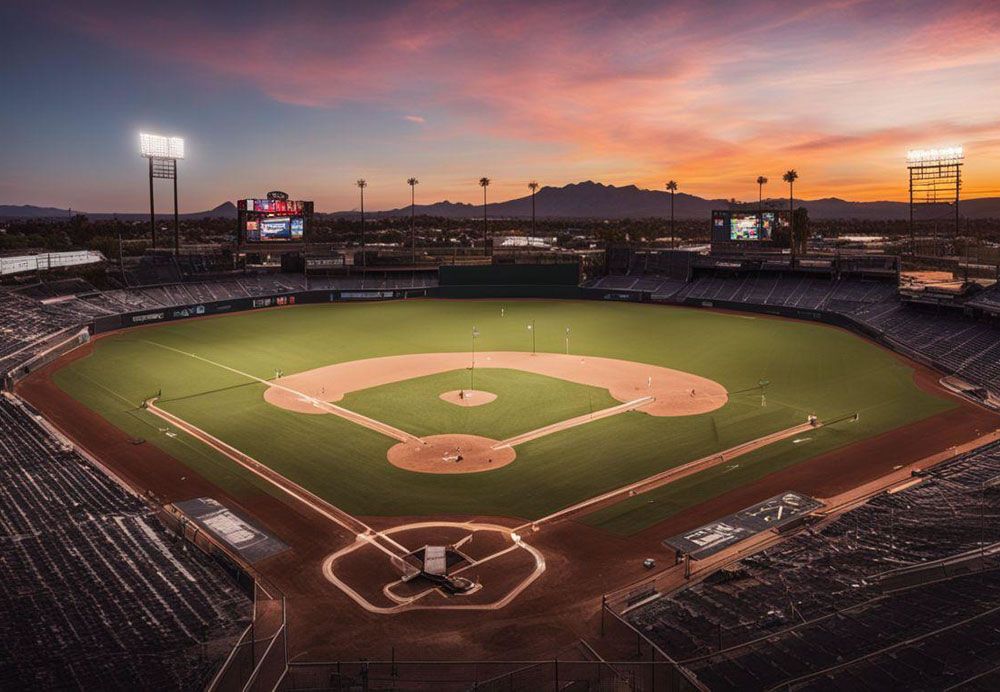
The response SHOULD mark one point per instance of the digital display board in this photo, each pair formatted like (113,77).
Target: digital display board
(273,220)
(275,206)
(745,226)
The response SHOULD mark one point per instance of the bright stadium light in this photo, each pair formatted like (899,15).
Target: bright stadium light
(942,154)
(163,153)
(935,179)
(160,147)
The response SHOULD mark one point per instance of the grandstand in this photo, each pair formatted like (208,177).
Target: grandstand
(818,602)
(830,608)
(100,595)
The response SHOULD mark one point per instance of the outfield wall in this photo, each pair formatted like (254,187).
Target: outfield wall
(514,291)
(180,312)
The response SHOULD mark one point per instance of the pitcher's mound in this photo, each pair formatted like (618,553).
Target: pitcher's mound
(468,397)
(450,454)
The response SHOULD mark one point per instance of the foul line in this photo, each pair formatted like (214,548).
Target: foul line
(674,473)
(573,422)
(365,421)
(347,521)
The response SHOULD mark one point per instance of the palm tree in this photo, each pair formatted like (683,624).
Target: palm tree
(790,177)
(362,184)
(761,182)
(484,183)
(672,187)
(412,182)
(533,186)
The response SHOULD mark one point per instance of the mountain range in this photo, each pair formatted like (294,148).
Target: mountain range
(588,200)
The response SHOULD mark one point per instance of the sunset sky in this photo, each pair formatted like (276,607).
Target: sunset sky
(307,97)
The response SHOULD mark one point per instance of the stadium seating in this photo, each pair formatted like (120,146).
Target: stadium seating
(965,347)
(837,596)
(25,324)
(91,583)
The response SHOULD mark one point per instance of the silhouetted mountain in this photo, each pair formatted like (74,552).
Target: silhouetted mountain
(598,201)
(226,210)
(28,211)
(586,200)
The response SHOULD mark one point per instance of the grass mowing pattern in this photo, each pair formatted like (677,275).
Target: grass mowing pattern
(812,369)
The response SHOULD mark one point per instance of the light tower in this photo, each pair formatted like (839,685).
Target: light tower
(935,178)
(163,154)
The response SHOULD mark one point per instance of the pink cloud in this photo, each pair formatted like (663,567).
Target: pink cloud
(711,95)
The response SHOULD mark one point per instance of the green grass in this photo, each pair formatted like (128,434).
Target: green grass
(812,369)
(525,401)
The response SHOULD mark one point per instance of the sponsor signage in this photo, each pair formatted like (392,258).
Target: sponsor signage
(273,301)
(364,295)
(148,317)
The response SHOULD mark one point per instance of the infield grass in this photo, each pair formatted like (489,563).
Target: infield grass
(811,369)
(525,401)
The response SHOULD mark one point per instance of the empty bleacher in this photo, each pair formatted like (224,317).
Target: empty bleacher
(825,603)
(94,593)
(25,323)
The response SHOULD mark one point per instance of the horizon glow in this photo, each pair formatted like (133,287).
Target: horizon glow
(313,97)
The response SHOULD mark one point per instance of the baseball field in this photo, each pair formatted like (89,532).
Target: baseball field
(378,410)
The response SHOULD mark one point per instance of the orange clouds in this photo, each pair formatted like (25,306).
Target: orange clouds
(709,94)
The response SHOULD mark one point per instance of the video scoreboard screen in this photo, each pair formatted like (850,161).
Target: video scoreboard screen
(745,226)
(273,220)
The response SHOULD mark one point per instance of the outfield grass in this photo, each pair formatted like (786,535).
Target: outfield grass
(811,368)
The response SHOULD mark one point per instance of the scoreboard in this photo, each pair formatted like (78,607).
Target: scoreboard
(275,219)
(747,227)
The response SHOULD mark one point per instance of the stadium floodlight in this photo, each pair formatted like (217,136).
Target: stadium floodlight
(933,155)
(163,153)
(935,179)
(160,147)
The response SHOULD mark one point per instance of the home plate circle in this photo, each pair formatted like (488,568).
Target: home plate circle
(468,397)
(450,454)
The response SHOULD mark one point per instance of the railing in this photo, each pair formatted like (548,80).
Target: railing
(486,676)
(259,660)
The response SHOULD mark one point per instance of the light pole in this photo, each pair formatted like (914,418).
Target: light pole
(567,340)
(531,330)
(163,154)
(362,184)
(472,377)
(484,183)
(672,188)
(412,182)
